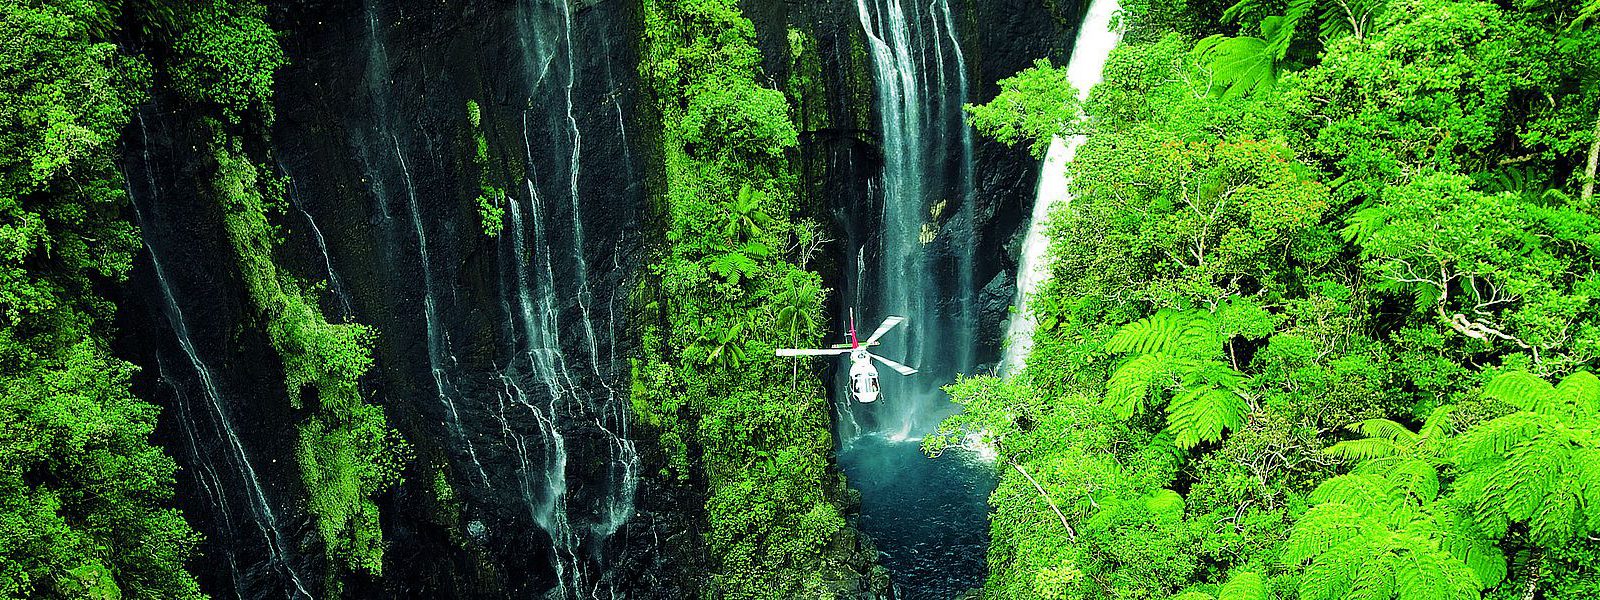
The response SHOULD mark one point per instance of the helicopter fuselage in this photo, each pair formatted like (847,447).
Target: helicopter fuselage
(863,377)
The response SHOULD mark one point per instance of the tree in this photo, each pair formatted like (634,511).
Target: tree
(85,498)
(1369,536)
(744,216)
(1033,106)
(1539,464)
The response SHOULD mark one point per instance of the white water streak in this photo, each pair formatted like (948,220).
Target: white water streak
(1095,41)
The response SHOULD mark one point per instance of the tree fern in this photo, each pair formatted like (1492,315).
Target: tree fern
(1244,585)
(1370,535)
(1201,414)
(1388,439)
(1538,465)
(1178,351)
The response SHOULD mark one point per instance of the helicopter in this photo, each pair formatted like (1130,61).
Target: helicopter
(863,375)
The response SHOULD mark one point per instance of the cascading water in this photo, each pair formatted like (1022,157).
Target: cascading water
(335,284)
(1096,38)
(929,517)
(215,429)
(920,264)
(578,411)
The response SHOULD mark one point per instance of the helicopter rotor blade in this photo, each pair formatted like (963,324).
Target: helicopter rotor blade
(902,369)
(812,352)
(888,324)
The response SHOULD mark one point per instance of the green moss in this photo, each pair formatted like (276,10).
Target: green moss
(346,451)
(490,198)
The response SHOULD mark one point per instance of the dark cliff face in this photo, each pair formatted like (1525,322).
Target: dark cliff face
(500,359)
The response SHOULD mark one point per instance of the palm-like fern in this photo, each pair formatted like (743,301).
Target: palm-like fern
(744,218)
(1384,440)
(1370,536)
(796,314)
(1539,465)
(1178,351)
(723,346)
(737,264)
(1241,585)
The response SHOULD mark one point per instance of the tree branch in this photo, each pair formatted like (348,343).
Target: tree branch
(1071,535)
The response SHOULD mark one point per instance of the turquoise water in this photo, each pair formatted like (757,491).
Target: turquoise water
(929,516)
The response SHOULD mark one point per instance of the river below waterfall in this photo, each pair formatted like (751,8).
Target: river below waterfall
(927,515)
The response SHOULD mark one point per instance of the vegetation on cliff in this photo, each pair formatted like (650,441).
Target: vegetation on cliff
(1320,313)
(224,59)
(727,286)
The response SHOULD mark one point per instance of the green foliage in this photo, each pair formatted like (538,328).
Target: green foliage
(1242,65)
(1368,535)
(225,55)
(727,288)
(85,499)
(346,451)
(1537,465)
(1311,248)
(1179,351)
(1033,106)
(491,199)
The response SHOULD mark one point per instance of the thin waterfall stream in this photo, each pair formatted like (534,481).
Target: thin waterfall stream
(1096,39)
(218,416)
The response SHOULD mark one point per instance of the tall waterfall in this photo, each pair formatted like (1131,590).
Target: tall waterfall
(536,416)
(914,258)
(1095,40)
(920,264)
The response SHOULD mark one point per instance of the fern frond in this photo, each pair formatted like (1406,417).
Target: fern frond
(1461,537)
(1438,425)
(1386,429)
(1489,443)
(1333,574)
(1364,449)
(1130,384)
(1423,572)
(1556,519)
(1164,332)
(1582,391)
(1240,66)
(1370,494)
(1414,477)
(1201,415)
(1361,225)
(1321,529)
(1520,389)
(1244,585)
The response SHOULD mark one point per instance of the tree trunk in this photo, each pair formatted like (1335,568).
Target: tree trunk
(1594,161)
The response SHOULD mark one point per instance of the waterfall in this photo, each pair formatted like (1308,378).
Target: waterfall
(1095,40)
(921,264)
(217,415)
(915,258)
(579,409)
(335,285)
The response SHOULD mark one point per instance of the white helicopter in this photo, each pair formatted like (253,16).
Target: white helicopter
(863,376)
